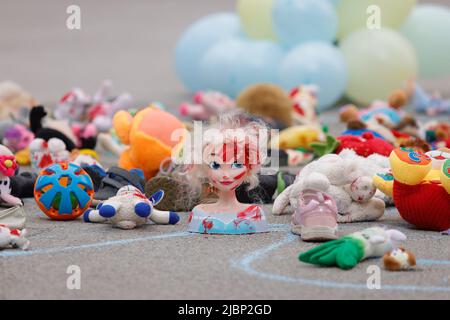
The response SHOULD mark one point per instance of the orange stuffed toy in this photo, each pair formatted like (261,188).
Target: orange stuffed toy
(149,137)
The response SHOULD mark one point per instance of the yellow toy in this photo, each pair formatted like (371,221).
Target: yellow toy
(420,186)
(149,138)
(297,137)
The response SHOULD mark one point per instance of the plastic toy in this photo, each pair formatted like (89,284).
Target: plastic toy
(13,238)
(346,252)
(399,260)
(130,208)
(63,191)
(8,168)
(206,105)
(231,157)
(148,136)
(347,180)
(420,186)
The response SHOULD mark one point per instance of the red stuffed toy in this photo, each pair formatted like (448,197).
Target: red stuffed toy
(365,145)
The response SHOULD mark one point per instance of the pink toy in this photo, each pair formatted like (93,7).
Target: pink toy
(17,138)
(206,105)
(13,238)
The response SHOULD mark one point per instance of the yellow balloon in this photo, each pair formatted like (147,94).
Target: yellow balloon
(256,18)
(357,14)
(379,62)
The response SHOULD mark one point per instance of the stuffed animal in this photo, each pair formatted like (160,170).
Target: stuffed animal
(431,104)
(12,99)
(346,252)
(297,137)
(44,153)
(206,105)
(269,102)
(130,208)
(17,137)
(399,260)
(347,180)
(420,186)
(8,168)
(365,145)
(150,135)
(13,238)
(304,103)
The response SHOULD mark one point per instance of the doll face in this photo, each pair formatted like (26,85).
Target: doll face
(224,172)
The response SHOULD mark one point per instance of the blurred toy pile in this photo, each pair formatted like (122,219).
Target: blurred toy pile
(276,65)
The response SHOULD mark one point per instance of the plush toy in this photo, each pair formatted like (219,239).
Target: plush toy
(347,180)
(304,103)
(13,238)
(346,252)
(206,105)
(63,191)
(150,135)
(399,260)
(438,134)
(130,208)
(44,153)
(431,104)
(72,105)
(268,101)
(17,137)
(8,168)
(365,145)
(297,137)
(420,186)
(12,99)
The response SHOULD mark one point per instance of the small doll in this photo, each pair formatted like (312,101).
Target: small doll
(13,238)
(130,208)
(231,156)
(346,252)
(399,260)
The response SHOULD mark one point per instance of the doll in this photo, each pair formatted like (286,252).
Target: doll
(231,156)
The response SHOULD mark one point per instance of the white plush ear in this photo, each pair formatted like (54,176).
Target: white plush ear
(377,239)
(317,181)
(281,201)
(396,235)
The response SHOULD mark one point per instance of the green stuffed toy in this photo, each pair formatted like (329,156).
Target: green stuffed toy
(348,251)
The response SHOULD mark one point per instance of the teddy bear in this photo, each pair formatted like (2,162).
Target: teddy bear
(150,135)
(348,180)
(130,208)
(12,99)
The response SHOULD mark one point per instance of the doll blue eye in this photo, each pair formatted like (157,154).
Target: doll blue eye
(214,165)
(236,165)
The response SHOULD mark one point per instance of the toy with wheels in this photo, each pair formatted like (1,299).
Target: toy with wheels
(420,185)
(63,191)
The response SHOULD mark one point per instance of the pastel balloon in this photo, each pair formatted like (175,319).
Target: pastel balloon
(298,21)
(217,70)
(258,62)
(428,29)
(316,63)
(256,18)
(197,39)
(379,62)
(357,14)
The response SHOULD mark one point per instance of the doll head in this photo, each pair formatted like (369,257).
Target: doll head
(231,152)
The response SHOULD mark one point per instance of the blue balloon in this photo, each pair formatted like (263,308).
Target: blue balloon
(197,39)
(217,69)
(298,21)
(258,62)
(316,63)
